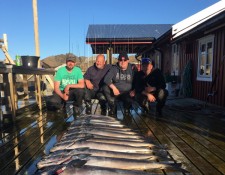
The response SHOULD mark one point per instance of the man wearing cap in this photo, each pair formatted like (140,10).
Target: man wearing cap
(94,81)
(150,86)
(118,82)
(68,85)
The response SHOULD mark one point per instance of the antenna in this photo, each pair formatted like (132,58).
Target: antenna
(69,31)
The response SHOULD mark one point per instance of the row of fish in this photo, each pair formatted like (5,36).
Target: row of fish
(96,144)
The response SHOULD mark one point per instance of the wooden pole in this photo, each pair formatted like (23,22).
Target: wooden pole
(36,35)
(37,50)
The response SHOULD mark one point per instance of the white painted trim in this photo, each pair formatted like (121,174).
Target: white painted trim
(198,18)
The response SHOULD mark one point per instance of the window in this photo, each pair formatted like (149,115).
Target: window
(205,58)
(175,60)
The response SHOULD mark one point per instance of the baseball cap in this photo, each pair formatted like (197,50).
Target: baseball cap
(123,56)
(146,61)
(71,59)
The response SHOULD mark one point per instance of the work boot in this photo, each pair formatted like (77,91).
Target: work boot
(103,108)
(158,112)
(103,111)
(76,110)
(112,111)
(88,108)
(146,107)
(127,112)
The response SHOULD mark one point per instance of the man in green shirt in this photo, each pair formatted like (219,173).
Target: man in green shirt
(68,86)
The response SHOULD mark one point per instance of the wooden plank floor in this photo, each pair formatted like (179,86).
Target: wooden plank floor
(193,137)
(193,134)
(32,135)
(188,133)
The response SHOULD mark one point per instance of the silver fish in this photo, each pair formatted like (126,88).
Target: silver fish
(107,130)
(72,139)
(93,170)
(106,133)
(127,164)
(103,153)
(83,123)
(83,135)
(102,146)
(110,140)
(60,160)
(100,126)
(58,169)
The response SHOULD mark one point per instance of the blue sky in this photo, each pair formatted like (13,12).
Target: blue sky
(55,17)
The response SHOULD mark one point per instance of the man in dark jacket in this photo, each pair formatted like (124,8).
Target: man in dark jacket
(150,86)
(119,84)
(94,80)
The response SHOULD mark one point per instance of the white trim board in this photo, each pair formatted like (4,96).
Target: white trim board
(198,18)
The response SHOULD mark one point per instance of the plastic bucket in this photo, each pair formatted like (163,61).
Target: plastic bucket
(30,61)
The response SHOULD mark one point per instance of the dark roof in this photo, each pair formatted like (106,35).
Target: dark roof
(124,36)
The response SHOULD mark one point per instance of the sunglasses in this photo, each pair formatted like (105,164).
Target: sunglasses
(124,60)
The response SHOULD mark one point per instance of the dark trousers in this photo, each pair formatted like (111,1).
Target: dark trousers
(92,94)
(111,98)
(76,95)
(160,95)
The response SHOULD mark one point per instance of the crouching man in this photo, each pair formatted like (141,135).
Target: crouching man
(94,81)
(68,86)
(150,87)
(118,82)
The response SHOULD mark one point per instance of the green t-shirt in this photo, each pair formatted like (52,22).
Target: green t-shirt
(66,77)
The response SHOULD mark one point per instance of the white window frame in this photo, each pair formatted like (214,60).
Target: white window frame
(205,58)
(175,60)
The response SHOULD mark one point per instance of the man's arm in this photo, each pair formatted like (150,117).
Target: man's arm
(150,96)
(89,85)
(108,80)
(80,84)
(114,89)
(59,92)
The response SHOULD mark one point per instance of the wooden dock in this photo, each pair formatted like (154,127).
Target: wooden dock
(189,133)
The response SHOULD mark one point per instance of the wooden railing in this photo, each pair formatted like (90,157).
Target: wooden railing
(10,72)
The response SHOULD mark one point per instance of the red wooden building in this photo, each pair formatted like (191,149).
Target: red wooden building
(197,43)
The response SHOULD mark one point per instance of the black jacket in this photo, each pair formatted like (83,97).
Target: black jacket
(154,79)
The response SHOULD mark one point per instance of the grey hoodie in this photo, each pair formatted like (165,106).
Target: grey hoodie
(122,79)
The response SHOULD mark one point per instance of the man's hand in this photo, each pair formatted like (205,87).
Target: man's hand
(89,84)
(116,91)
(65,96)
(67,89)
(132,93)
(151,98)
(150,89)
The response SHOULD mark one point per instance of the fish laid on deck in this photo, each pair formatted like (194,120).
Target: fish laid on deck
(102,145)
